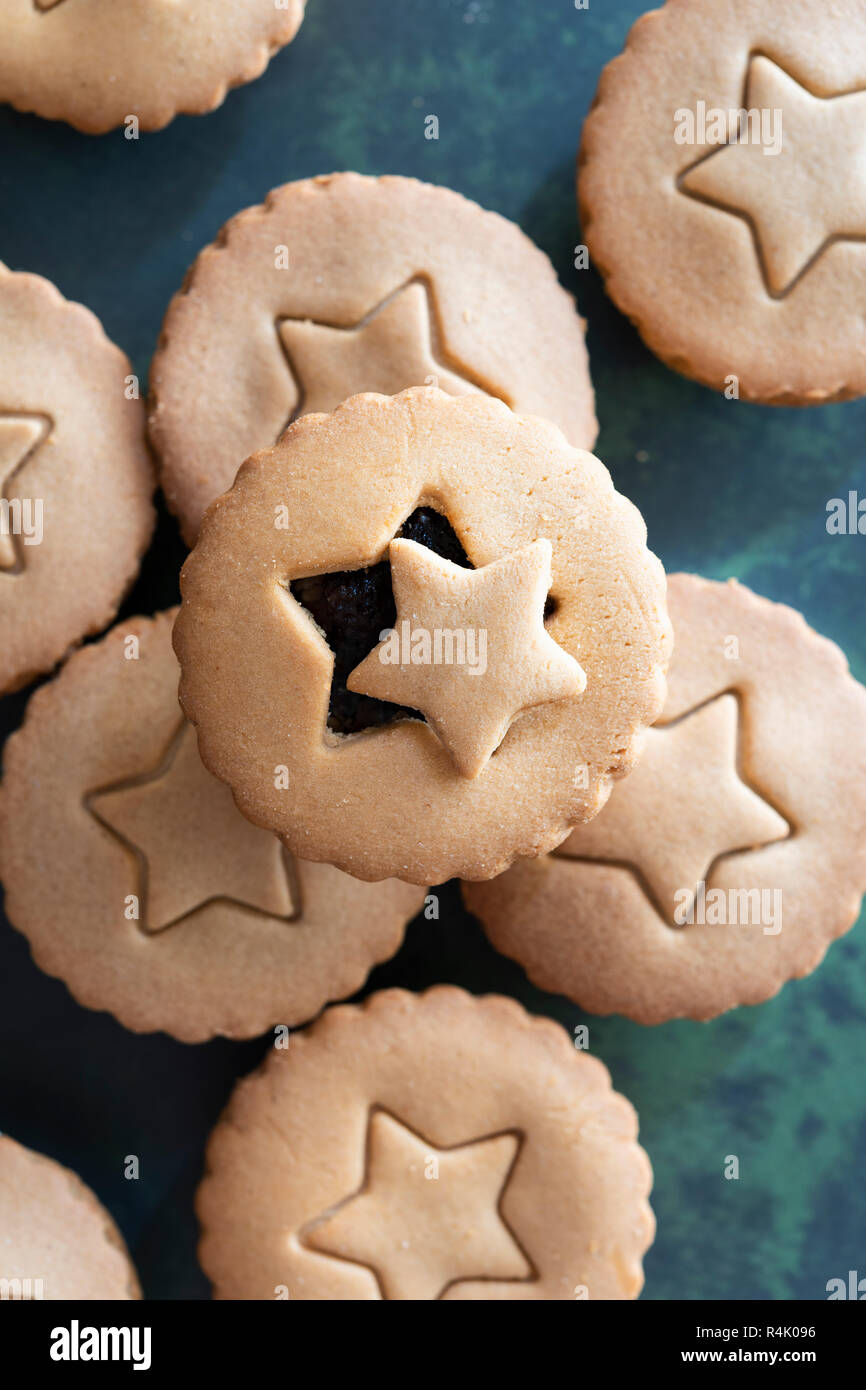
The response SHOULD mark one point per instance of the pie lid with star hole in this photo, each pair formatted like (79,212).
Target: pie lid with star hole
(96,63)
(722,188)
(734,854)
(344,284)
(57,1241)
(138,883)
(75,477)
(423,1147)
(421,636)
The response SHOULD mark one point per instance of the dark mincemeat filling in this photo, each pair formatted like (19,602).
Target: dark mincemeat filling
(353,607)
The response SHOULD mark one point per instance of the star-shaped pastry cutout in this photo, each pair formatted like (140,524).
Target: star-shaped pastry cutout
(682,808)
(802,199)
(192,844)
(425,1218)
(20,436)
(493,618)
(390,349)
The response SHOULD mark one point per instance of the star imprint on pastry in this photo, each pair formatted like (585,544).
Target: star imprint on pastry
(469,648)
(683,807)
(391,348)
(425,1218)
(800,200)
(20,436)
(192,844)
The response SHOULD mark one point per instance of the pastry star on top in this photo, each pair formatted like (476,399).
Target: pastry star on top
(192,842)
(19,437)
(425,1218)
(494,618)
(682,807)
(811,193)
(390,349)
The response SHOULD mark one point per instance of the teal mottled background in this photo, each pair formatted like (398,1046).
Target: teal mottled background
(726,488)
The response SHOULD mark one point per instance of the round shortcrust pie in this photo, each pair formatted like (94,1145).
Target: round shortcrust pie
(344,284)
(423,1147)
(736,851)
(136,880)
(57,1241)
(104,63)
(421,636)
(75,477)
(722,189)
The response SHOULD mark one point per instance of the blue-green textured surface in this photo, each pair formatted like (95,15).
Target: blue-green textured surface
(726,488)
